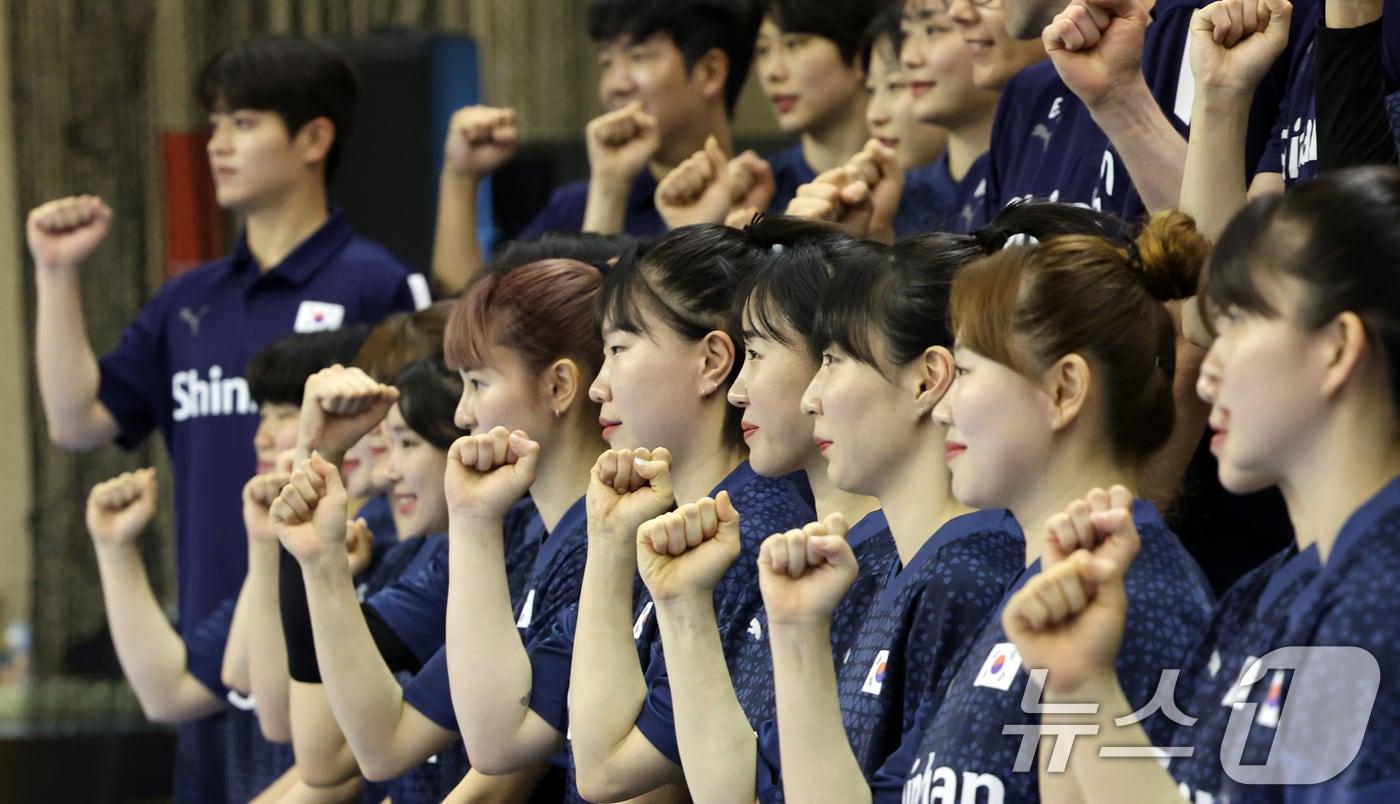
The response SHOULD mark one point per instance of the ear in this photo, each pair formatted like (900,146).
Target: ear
(1067,383)
(710,73)
(315,140)
(935,376)
(1346,347)
(717,358)
(562,382)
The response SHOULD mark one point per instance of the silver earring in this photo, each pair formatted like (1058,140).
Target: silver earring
(557,413)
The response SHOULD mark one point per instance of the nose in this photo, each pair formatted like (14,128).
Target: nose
(911,55)
(262,439)
(962,12)
(599,391)
(738,395)
(943,411)
(463,416)
(1208,381)
(218,139)
(811,397)
(616,81)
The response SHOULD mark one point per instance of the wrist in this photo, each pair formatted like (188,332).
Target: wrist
(688,607)
(461,178)
(610,184)
(1097,687)
(116,551)
(1123,104)
(795,633)
(325,568)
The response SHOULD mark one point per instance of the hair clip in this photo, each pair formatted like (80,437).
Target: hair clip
(776,248)
(1020,239)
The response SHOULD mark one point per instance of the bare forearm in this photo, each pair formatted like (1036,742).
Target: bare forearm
(717,744)
(489,669)
(606,209)
(606,686)
(1213,187)
(816,754)
(1151,149)
(267,666)
(1094,778)
(366,699)
(68,374)
(151,653)
(457,255)
(234,672)
(323,755)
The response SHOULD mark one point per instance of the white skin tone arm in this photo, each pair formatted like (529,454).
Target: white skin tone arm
(620,144)
(234,672)
(486,474)
(607,686)
(267,666)
(62,234)
(388,736)
(479,140)
(151,653)
(682,556)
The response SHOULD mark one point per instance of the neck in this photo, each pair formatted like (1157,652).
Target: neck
(1066,480)
(276,229)
(563,475)
(831,500)
(697,474)
(1333,482)
(917,499)
(681,147)
(834,142)
(966,142)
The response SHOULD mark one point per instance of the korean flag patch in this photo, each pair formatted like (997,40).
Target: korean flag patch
(315,316)
(875,679)
(1000,668)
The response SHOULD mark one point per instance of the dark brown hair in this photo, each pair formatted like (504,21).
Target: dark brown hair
(1026,307)
(401,339)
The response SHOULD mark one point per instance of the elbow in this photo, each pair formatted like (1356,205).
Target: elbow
(600,784)
(162,712)
(383,769)
(275,731)
(494,757)
(66,436)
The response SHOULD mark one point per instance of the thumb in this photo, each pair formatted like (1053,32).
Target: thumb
(715,155)
(657,473)
(327,470)
(147,478)
(1106,576)
(832,549)
(836,525)
(727,515)
(1280,16)
(527,452)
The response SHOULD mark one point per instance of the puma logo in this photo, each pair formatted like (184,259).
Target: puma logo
(193,319)
(1041,132)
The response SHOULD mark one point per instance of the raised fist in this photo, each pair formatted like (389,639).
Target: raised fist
(627,487)
(687,551)
(621,142)
(480,139)
(804,574)
(339,407)
(1235,42)
(309,513)
(120,508)
(488,473)
(63,233)
(258,494)
(697,190)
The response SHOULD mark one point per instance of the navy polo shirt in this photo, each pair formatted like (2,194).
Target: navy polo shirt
(936,202)
(179,368)
(1046,146)
(564,210)
(957,745)
(790,171)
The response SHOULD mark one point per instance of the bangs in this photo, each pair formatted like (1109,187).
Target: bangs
(628,300)
(761,317)
(982,305)
(850,310)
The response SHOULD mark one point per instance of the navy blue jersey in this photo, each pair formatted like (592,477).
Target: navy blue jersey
(790,171)
(957,747)
(179,368)
(432,781)
(1046,146)
(766,506)
(924,615)
(1246,624)
(564,210)
(1350,602)
(378,514)
(414,605)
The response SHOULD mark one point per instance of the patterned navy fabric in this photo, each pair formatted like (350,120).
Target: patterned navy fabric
(1350,602)
(253,763)
(925,613)
(414,605)
(934,201)
(956,747)
(430,782)
(1246,625)
(766,506)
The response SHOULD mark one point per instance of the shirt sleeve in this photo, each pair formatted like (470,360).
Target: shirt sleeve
(657,721)
(415,608)
(430,692)
(134,377)
(768,787)
(205,645)
(1353,124)
(551,652)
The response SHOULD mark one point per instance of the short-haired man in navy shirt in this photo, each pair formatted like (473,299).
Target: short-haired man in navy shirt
(279,109)
(671,74)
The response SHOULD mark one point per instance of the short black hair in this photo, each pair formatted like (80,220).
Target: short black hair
(883,23)
(277,375)
(428,396)
(689,279)
(1043,220)
(296,78)
(695,26)
(597,250)
(779,300)
(844,23)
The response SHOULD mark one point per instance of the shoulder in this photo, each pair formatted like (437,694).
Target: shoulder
(371,259)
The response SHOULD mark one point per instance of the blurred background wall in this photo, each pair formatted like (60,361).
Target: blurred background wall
(96,93)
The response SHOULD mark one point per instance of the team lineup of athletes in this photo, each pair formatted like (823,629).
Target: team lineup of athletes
(1030,430)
